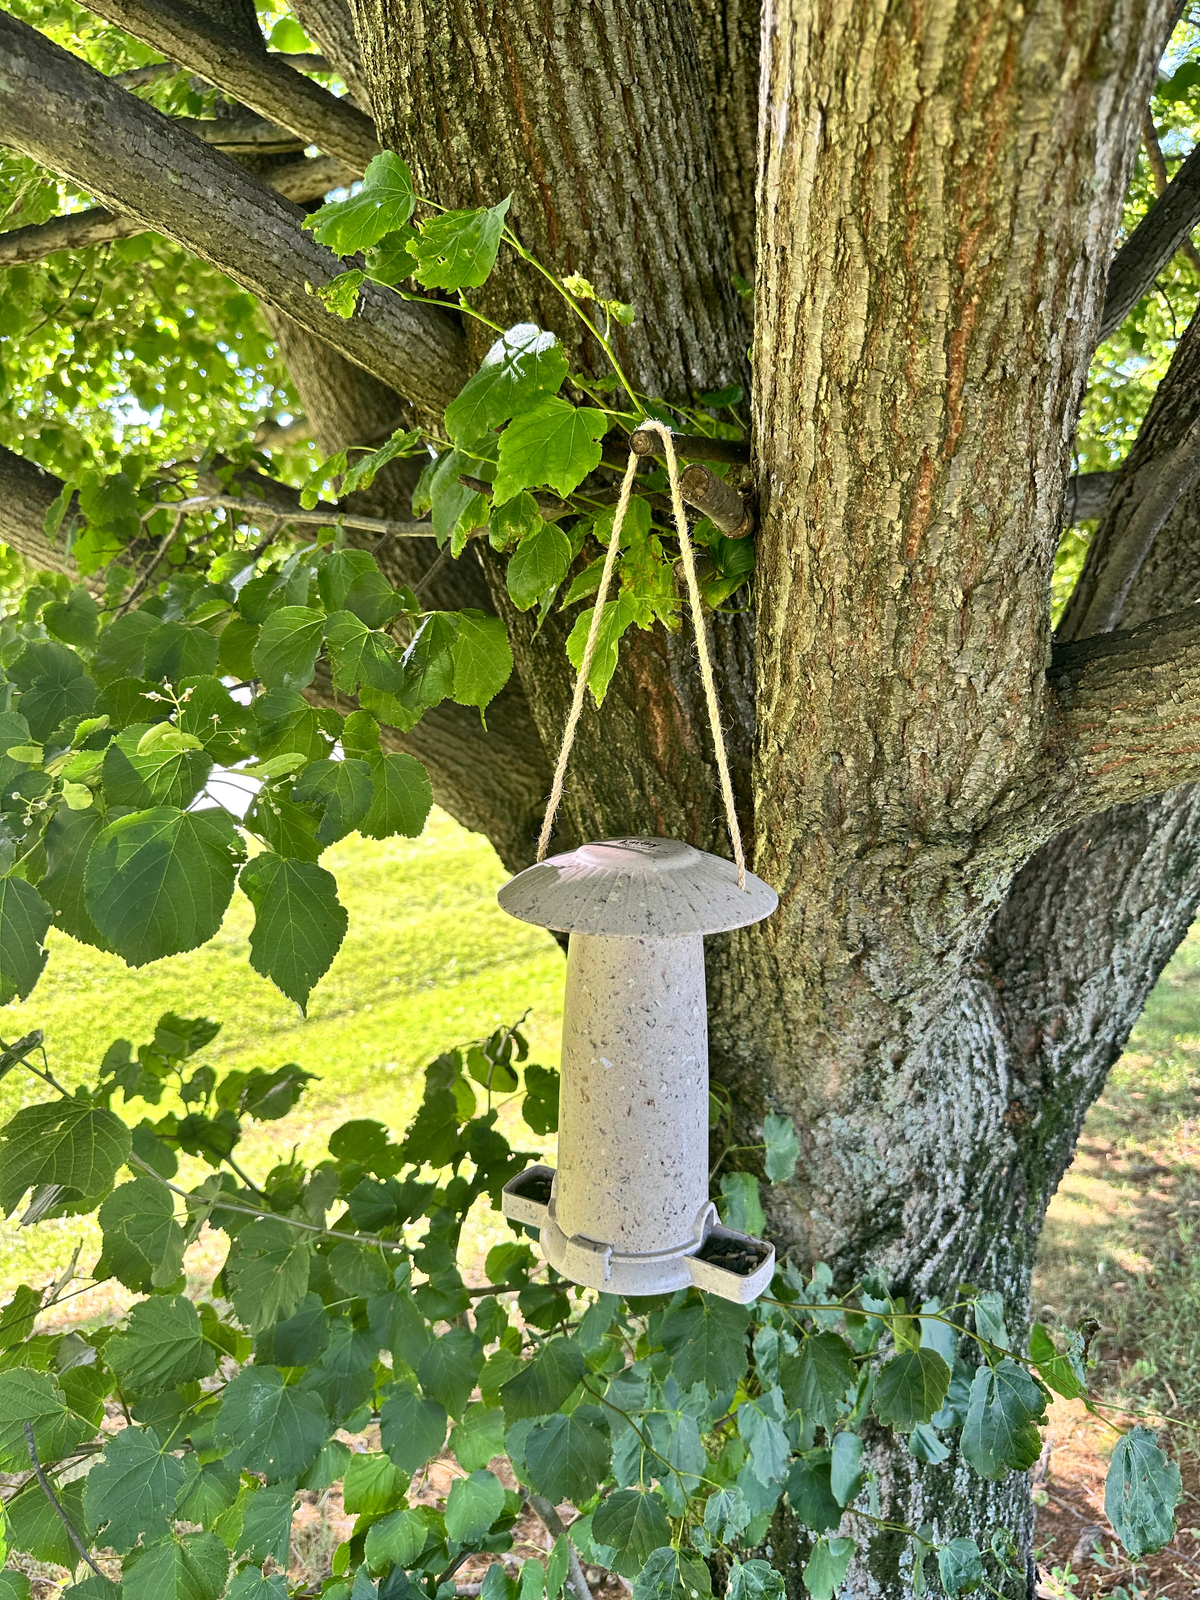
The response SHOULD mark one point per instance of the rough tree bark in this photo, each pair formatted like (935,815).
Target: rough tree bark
(938,191)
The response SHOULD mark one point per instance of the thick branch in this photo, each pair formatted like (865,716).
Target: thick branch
(1158,171)
(1086,497)
(1160,233)
(298,180)
(1129,704)
(263,82)
(27,492)
(56,109)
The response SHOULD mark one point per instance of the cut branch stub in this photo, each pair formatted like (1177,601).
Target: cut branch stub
(719,501)
(689,446)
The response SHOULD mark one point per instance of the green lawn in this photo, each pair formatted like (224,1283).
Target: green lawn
(429,961)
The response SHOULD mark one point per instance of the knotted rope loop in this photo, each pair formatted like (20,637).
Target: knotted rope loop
(702,650)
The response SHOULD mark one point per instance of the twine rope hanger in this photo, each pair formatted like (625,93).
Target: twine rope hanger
(651,425)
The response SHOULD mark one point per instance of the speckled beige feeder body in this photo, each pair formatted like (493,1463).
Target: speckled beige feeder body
(628,1209)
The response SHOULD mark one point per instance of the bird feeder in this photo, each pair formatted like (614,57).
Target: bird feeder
(627,1210)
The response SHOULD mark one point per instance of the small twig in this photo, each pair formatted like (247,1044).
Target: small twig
(168,539)
(56,1503)
(255,510)
(557,1529)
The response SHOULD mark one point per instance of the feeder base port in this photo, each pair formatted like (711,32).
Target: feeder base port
(719,1260)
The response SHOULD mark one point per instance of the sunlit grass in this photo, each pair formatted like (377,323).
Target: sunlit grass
(429,961)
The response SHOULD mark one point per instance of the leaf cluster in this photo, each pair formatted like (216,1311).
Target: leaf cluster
(676,1426)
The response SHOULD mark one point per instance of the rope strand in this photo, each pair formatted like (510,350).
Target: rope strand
(651,425)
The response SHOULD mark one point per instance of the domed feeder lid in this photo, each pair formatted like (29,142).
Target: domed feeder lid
(626,888)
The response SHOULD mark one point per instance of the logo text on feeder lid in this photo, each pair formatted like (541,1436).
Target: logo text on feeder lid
(628,1209)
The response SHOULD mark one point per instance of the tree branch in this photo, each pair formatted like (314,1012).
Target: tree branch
(1158,171)
(70,118)
(1129,709)
(40,1474)
(1086,497)
(300,181)
(261,81)
(1160,233)
(27,492)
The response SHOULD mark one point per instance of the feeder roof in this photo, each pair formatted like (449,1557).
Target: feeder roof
(626,888)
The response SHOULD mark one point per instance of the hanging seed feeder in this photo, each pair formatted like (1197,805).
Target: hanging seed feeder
(628,1211)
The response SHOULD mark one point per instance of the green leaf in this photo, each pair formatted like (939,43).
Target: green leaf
(401,800)
(131,1492)
(209,1493)
(818,1378)
(726,1514)
(1000,1431)
(567,1456)
(707,1341)
(75,620)
(15,1586)
(539,1108)
(275,1429)
(299,923)
(177,650)
(633,1523)
(742,1208)
(754,1580)
(845,1467)
(350,580)
(538,565)
(37,1398)
(1057,1372)
(758,1423)
(143,1244)
(618,616)
(672,1575)
(412,1428)
(268,1273)
(1141,1492)
(192,1567)
(482,659)
(158,882)
(524,365)
(24,920)
(341,790)
(33,1526)
(249,1583)
(399,1538)
(382,204)
(910,1388)
(359,1269)
(159,776)
(827,1567)
(555,443)
(457,249)
(162,1347)
(960,1566)
(783,1148)
(478,1437)
(286,653)
(542,1384)
(810,1490)
(373,1485)
(267,1524)
(298,1340)
(360,655)
(473,1505)
(65,1142)
(53,687)
(449,1368)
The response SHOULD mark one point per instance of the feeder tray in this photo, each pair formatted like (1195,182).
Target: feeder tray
(628,1211)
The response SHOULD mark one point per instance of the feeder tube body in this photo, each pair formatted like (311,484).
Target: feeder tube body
(633,1119)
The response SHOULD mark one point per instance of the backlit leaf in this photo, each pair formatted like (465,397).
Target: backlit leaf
(555,444)
(299,924)
(523,365)
(457,249)
(159,881)
(383,203)
(64,1142)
